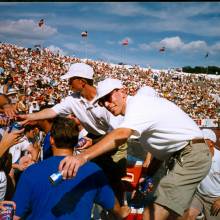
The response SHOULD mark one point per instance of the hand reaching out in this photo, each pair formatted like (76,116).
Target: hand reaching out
(9,139)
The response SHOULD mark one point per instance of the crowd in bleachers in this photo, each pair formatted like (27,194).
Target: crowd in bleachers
(36,73)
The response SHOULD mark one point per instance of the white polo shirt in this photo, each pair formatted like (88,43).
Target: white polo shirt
(161,126)
(95,119)
(210,186)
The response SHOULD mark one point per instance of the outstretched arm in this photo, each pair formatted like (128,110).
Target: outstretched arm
(70,164)
(44,114)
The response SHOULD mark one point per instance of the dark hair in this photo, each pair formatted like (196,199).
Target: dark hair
(88,81)
(28,128)
(65,132)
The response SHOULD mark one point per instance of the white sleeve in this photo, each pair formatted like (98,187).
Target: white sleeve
(25,145)
(136,116)
(64,107)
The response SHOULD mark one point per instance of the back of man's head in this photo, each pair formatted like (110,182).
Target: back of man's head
(64,132)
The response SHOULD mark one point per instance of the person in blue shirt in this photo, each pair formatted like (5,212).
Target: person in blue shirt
(36,198)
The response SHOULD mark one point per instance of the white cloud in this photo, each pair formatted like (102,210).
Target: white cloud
(172,43)
(145,47)
(56,49)
(215,48)
(177,44)
(124,9)
(195,46)
(24,28)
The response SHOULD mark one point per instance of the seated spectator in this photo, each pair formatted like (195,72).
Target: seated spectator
(24,153)
(34,107)
(207,197)
(21,105)
(8,84)
(71,199)
(12,95)
(8,140)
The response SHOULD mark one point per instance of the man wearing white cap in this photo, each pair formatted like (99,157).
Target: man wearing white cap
(95,119)
(164,130)
(207,197)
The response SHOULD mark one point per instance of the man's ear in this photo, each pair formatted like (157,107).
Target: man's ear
(83,83)
(52,142)
(123,92)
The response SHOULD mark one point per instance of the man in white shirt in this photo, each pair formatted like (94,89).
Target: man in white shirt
(165,131)
(207,197)
(95,119)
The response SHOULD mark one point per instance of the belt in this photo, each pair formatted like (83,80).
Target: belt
(198,141)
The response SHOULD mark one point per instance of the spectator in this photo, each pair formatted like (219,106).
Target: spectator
(21,106)
(163,129)
(8,139)
(34,107)
(12,95)
(24,153)
(45,126)
(71,199)
(207,197)
(8,84)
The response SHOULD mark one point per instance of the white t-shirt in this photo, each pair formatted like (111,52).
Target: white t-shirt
(210,186)
(3,185)
(34,108)
(17,149)
(147,91)
(161,126)
(95,119)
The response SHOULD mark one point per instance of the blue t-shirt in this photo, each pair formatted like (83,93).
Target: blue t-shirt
(47,151)
(36,198)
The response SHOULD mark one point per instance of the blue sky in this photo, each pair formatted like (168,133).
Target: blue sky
(188,30)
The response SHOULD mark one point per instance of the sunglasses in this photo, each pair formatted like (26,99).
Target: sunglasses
(106,98)
(71,80)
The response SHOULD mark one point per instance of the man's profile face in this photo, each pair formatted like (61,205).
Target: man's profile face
(114,102)
(76,84)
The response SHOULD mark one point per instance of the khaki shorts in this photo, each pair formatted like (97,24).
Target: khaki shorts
(176,189)
(204,204)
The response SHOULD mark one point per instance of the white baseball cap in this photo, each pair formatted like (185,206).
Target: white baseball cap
(12,91)
(106,86)
(79,70)
(209,134)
